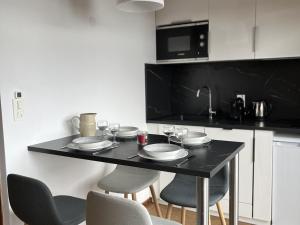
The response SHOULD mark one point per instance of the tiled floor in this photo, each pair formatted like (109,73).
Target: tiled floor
(190,216)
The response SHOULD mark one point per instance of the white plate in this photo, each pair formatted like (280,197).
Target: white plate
(194,138)
(181,155)
(127,132)
(99,146)
(89,142)
(205,140)
(162,150)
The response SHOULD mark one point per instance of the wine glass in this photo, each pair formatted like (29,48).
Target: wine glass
(180,134)
(102,126)
(169,131)
(114,129)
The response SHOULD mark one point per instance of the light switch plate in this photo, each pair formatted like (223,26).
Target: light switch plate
(18,109)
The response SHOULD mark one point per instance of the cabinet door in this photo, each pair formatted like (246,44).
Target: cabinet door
(262,192)
(231,24)
(245,166)
(278,30)
(176,11)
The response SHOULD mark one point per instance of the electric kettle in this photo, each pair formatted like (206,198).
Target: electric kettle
(261,109)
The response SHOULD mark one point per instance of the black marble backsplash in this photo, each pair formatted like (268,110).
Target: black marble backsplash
(171,89)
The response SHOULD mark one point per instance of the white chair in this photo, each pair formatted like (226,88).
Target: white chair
(130,180)
(104,209)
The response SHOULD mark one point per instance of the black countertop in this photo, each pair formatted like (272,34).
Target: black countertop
(207,161)
(288,126)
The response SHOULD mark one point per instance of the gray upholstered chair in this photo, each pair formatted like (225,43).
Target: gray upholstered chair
(182,192)
(130,180)
(110,210)
(33,203)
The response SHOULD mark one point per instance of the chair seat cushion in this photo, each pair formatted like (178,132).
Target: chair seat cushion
(128,180)
(70,209)
(182,192)
(161,221)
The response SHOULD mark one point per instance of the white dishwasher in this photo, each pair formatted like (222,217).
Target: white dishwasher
(286,180)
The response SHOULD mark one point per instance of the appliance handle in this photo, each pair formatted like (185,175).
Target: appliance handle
(269,108)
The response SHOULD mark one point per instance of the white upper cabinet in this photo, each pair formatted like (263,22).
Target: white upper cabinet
(278,28)
(231,24)
(177,11)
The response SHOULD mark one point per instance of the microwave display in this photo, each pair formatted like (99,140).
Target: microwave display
(185,41)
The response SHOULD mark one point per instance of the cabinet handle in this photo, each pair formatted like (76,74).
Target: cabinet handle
(254,38)
(253,149)
(208,42)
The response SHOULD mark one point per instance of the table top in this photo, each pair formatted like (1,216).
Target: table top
(207,161)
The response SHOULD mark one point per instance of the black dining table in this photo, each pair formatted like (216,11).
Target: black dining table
(205,162)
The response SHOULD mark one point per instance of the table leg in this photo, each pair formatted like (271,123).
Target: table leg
(234,192)
(202,187)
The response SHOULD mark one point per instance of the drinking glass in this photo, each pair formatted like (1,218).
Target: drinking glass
(169,131)
(102,126)
(114,129)
(142,137)
(180,134)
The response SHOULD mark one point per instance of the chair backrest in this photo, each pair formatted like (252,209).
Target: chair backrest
(32,201)
(221,179)
(109,210)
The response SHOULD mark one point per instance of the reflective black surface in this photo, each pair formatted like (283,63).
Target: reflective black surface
(279,125)
(171,92)
(207,162)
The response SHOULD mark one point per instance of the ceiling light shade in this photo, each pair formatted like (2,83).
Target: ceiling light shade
(140,6)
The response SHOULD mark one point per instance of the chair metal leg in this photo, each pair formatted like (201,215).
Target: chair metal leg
(133,196)
(107,192)
(183,214)
(169,211)
(221,213)
(125,195)
(157,208)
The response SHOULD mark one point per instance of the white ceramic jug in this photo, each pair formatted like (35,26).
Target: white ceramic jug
(85,124)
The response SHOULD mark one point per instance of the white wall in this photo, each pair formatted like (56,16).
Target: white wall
(3,194)
(68,57)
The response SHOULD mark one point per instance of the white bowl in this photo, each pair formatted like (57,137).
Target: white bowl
(182,153)
(162,150)
(194,138)
(127,131)
(90,142)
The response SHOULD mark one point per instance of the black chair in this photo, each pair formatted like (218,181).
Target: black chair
(32,201)
(182,192)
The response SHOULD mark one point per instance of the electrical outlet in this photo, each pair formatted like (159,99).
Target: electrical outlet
(242,96)
(18,108)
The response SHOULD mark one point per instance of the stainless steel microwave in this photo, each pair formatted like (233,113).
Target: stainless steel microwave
(182,42)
